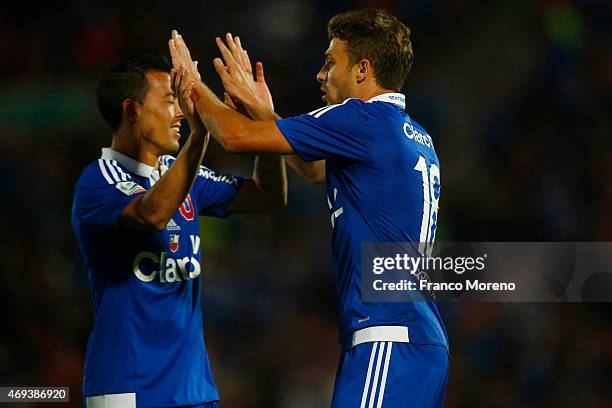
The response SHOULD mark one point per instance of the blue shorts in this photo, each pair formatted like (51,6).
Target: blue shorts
(391,375)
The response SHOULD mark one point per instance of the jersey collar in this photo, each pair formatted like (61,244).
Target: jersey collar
(390,97)
(133,166)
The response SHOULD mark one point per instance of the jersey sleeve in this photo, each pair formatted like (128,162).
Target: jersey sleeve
(335,131)
(214,191)
(99,200)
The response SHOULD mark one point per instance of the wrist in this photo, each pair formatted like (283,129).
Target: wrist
(258,110)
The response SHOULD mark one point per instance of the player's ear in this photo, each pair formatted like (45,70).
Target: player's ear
(131,109)
(364,68)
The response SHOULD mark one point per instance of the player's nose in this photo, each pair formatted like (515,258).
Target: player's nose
(178,112)
(322,76)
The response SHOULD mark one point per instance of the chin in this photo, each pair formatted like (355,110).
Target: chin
(171,149)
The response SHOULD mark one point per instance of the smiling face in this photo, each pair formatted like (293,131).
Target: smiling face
(160,116)
(337,74)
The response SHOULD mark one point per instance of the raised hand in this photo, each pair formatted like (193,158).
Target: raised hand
(183,82)
(181,56)
(237,77)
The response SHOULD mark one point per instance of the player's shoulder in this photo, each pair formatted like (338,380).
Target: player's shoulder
(101,172)
(417,133)
(346,109)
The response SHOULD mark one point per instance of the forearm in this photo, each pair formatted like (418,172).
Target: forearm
(160,203)
(313,172)
(224,124)
(270,176)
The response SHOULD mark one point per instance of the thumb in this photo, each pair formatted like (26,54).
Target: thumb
(260,77)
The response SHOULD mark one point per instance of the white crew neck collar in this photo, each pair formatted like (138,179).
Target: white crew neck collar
(395,98)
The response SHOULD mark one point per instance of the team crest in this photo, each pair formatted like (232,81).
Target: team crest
(174,242)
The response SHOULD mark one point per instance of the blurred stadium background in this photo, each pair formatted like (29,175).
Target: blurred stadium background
(516,95)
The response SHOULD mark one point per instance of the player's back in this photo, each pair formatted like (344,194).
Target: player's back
(383,185)
(407,177)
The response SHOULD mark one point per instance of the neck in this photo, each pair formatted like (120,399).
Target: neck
(127,142)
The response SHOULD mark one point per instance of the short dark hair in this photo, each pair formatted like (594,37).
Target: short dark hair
(379,37)
(126,79)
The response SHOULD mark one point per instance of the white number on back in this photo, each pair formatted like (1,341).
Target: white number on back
(431,198)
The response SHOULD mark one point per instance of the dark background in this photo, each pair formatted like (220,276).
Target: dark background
(516,95)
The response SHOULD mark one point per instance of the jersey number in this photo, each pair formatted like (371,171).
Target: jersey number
(431,197)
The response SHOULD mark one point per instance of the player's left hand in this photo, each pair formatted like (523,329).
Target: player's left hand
(182,84)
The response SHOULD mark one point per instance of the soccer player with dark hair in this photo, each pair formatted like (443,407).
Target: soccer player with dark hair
(383,185)
(135,215)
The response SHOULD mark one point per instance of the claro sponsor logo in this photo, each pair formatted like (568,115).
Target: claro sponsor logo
(165,268)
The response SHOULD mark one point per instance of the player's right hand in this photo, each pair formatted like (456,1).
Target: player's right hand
(236,73)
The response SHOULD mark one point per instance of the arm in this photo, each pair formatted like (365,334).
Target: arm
(314,172)
(236,132)
(154,208)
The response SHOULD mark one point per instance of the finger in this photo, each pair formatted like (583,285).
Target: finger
(184,79)
(225,53)
(181,47)
(187,97)
(241,55)
(180,74)
(235,47)
(173,53)
(231,45)
(260,72)
(175,79)
(247,62)
(220,68)
(177,50)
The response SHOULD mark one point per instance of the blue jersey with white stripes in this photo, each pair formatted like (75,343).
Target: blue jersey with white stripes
(146,286)
(383,185)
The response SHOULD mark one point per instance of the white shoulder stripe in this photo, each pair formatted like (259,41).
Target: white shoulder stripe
(319,112)
(112,171)
(104,172)
(124,176)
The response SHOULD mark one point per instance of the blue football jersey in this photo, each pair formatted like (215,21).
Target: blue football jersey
(146,286)
(383,185)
